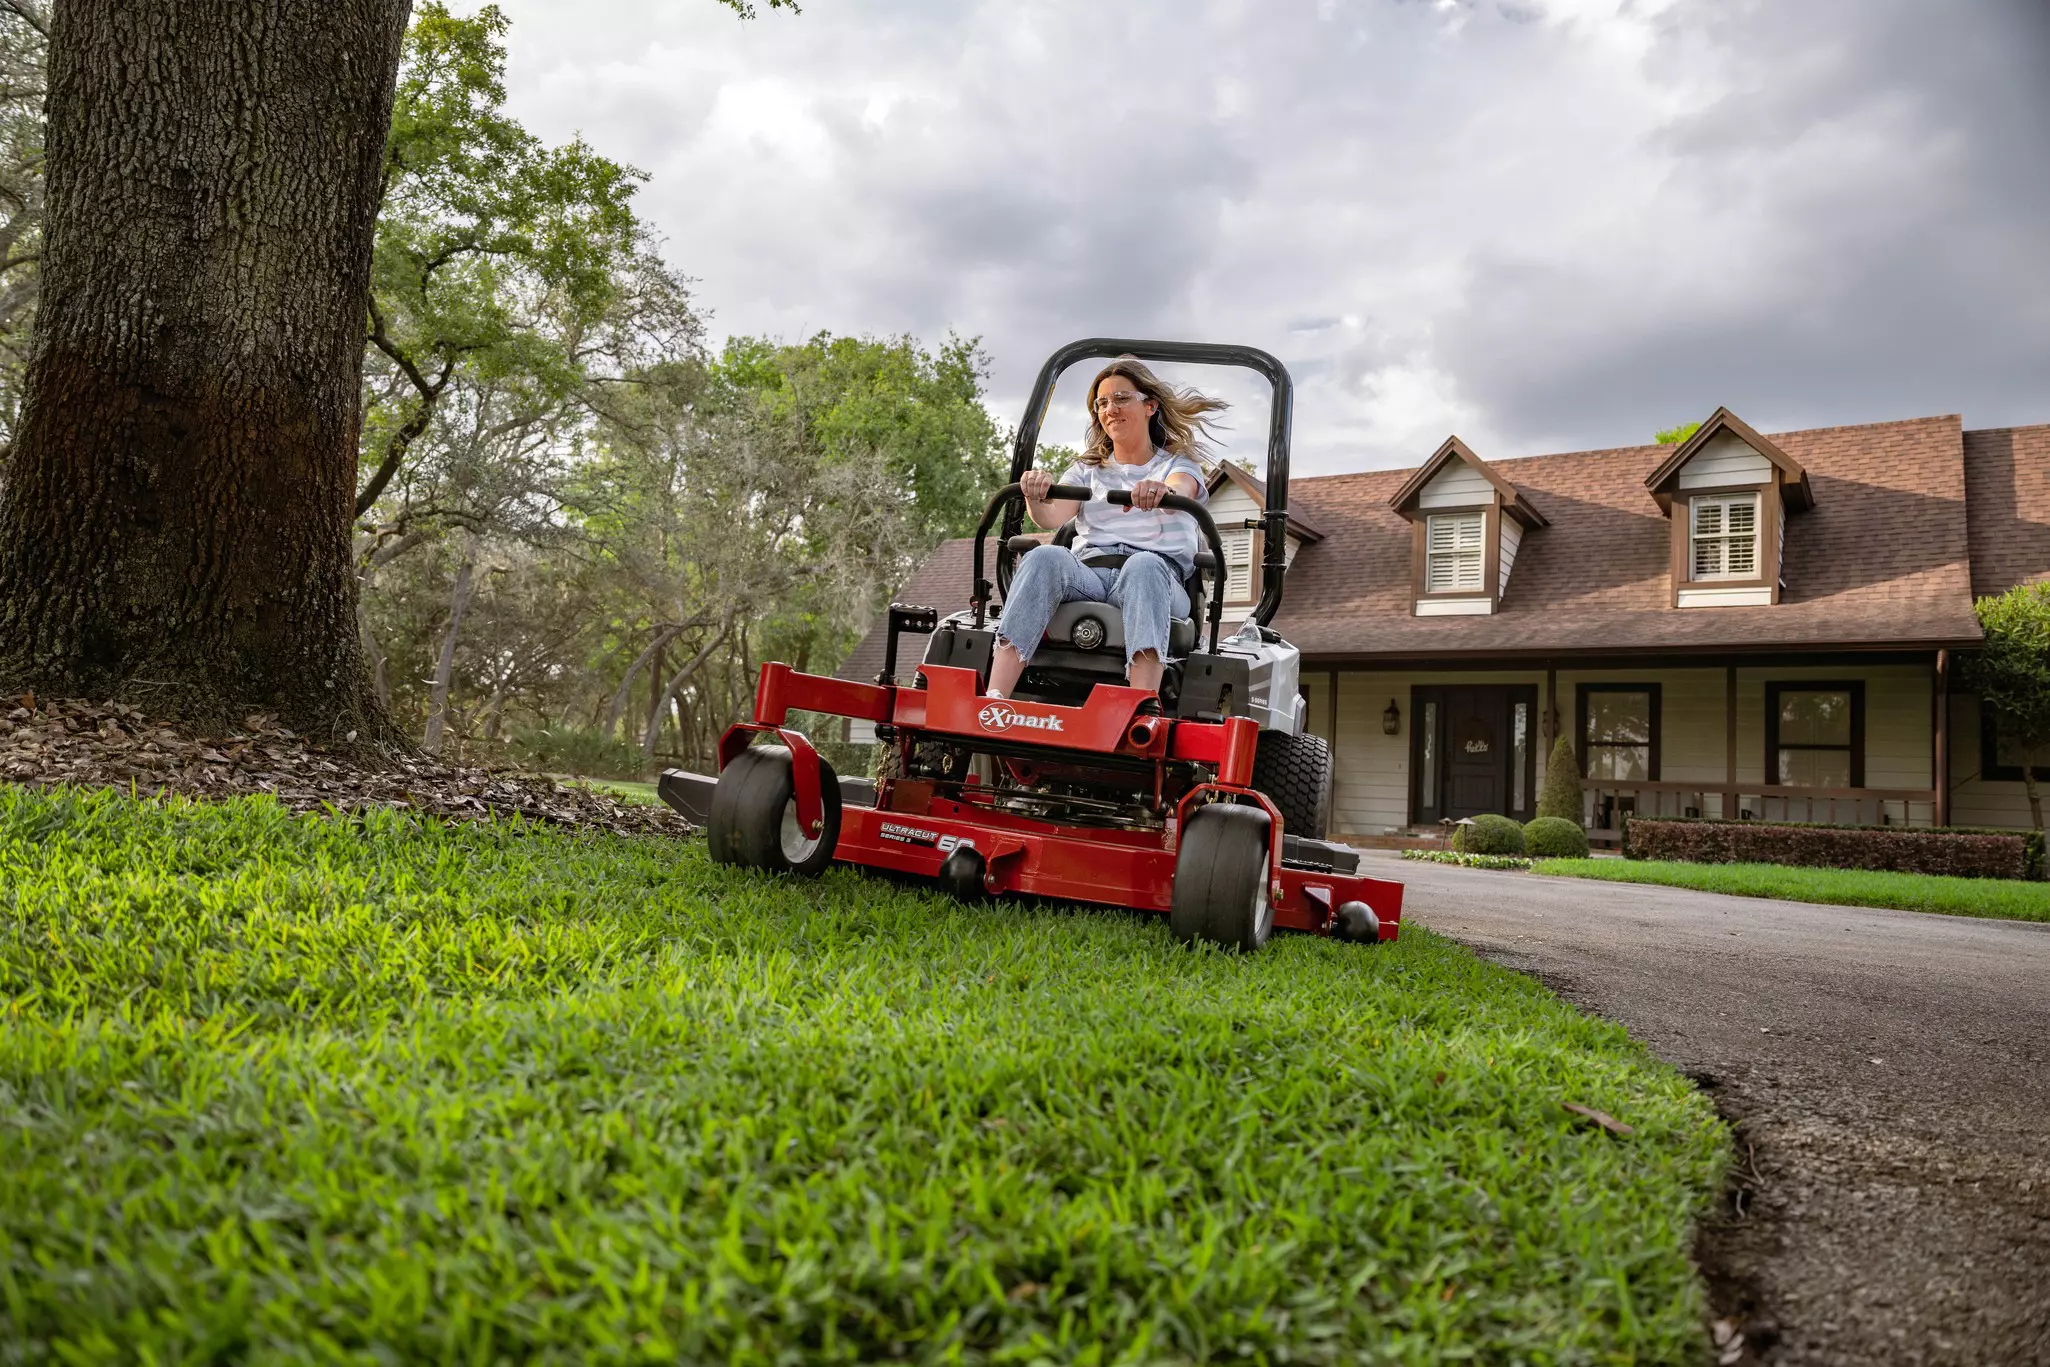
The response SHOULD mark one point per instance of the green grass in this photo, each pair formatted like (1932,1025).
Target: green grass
(381,1090)
(1991,897)
(645,794)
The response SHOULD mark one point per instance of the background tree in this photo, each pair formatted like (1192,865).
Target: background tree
(1674,436)
(2011,674)
(24,48)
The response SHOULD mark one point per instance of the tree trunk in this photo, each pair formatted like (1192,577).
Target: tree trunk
(2029,786)
(178,502)
(681,678)
(445,667)
(616,713)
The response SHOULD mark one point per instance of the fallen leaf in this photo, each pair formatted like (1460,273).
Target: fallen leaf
(1601,1118)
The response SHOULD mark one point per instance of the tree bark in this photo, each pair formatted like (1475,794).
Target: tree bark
(178,503)
(445,666)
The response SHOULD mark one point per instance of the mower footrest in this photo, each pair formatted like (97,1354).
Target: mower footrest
(691,794)
(1302,852)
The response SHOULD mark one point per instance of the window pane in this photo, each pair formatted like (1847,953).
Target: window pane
(1815,717)
(1623,763)
(1519,755)
(1816,768)
(1428,783)
(1618,718)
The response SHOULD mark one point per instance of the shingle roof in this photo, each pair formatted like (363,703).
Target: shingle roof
(2007,475)
(1887,557)
(1881,559)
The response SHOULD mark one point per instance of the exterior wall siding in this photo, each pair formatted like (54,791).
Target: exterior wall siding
(1458,485)
(1726,459)
(1372,777)
(1974,799)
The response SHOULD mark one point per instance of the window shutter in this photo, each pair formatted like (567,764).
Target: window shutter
(1238,563)
(1452,553)
(1724,533)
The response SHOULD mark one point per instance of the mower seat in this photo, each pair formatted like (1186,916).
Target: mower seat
(1107,654)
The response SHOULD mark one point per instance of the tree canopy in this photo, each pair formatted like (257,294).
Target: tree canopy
(2011,675)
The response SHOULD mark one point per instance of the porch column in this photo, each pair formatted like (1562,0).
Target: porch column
(1730,743)
(1939,760)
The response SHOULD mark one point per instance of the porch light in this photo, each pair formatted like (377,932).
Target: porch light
(1391,720)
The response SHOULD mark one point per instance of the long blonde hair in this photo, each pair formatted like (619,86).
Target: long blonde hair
(1180,418)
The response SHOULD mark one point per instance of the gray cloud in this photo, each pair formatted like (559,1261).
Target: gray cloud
(1551,224)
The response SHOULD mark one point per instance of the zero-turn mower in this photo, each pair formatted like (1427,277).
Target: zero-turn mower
(1208,801)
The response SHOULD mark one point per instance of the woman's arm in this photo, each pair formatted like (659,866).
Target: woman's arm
(1046,512)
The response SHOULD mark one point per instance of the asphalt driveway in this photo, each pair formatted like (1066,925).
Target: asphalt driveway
(1889,1074)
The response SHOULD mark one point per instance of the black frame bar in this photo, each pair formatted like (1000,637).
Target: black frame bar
(1274,560)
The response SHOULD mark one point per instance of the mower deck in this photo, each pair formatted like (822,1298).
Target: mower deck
(918,825)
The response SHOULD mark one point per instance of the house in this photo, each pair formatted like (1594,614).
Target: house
(1745,624)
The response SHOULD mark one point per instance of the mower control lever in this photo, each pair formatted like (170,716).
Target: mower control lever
(1063,493)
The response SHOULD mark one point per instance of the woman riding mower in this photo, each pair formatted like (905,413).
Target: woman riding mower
(1143,437)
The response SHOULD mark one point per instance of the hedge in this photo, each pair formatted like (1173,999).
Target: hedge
(1489,835)
(1554,837)
(1962,852)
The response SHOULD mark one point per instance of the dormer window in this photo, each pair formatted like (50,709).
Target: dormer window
(1468,524)
(1725,536)
(1728,492)
(1454,558)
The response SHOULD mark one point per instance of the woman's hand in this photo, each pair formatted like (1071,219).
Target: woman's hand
(1147,493)
(1035,484)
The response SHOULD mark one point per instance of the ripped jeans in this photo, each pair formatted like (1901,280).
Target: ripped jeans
(1147,589)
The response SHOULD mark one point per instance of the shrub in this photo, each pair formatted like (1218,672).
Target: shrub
(1469,861)
(578,750)
(1553,837)
(1962,853)
(1489,835)
(1560,796)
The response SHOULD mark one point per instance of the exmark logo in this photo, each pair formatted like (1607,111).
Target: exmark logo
(1001,717)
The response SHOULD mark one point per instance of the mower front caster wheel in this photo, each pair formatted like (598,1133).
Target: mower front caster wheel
(1220,878)
(754,815)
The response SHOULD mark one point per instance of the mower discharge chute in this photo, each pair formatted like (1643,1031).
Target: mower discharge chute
(1207,801)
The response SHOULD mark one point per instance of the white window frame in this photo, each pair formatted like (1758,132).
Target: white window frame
(1238,564)
(1721,540)
(1464,556)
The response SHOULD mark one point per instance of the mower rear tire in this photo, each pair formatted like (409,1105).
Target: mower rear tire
(1295,773)
(753,822)
(1220,878)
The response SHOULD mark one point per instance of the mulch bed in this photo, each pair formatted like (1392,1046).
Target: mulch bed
(47,742)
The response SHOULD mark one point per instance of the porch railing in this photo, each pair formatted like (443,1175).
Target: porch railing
(1605,802)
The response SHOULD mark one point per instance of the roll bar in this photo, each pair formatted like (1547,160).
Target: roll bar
(1014,497)
(1274,557)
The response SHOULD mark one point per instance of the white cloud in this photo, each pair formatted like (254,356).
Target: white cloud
(1545,224)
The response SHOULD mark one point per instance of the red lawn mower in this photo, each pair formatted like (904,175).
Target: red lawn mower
(1207,801)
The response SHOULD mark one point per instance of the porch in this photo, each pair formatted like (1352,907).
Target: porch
(1837,740)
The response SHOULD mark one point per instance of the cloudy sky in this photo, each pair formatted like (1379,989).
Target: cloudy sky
(1543,224)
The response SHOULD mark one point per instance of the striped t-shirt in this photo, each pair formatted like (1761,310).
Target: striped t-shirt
(1105,528)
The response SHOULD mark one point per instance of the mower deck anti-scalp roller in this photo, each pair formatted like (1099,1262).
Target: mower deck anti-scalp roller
(1206,802)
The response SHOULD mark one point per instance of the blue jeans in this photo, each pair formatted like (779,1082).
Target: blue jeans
(1147,589)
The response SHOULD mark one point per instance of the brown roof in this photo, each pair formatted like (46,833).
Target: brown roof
(2007,475)
(945,581)
(1887,556)
(1880,560)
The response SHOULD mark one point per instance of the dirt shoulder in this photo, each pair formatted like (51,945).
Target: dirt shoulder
(1889,1076)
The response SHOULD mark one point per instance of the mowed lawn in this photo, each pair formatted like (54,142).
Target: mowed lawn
(386,1090)
(2000,898)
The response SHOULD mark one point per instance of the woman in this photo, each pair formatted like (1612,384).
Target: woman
(1142,437)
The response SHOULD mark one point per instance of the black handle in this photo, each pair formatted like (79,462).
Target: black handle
(1274,562)
(1080,493)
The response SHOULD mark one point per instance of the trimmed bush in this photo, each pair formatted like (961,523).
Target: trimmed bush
(1489,835)
(1554,837)
(1560,797)
(1960,853)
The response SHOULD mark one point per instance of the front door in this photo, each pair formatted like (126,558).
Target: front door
(1470,751)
